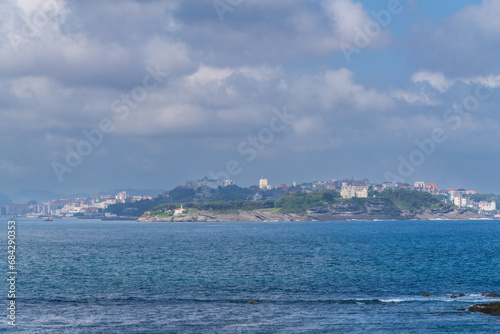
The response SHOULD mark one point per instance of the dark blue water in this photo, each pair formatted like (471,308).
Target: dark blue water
(307,277)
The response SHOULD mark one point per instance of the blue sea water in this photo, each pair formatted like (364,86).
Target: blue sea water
(87,276)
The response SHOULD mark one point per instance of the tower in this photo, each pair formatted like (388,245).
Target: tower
(263,183)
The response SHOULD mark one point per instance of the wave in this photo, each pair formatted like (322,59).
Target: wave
(159,299)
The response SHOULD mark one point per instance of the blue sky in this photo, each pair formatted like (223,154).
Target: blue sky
(149,94)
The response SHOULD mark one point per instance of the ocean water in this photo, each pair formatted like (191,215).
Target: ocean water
(87,276)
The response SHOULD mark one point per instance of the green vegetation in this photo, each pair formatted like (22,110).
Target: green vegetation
(301,202)
(219,206)
(359,202)
(412,200)
(135,209)
(177,195)
(231,193)
(232,199)
(273,194)
(484,197)
(181,194)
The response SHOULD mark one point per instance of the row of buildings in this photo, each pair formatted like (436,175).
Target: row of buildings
(208,183)
(460,199)
(96,205)
(351,188)
(93,206)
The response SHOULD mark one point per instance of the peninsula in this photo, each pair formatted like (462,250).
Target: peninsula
(322,206)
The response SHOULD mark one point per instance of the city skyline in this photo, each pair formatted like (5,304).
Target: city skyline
(203,190)
(270,183)
(262,183)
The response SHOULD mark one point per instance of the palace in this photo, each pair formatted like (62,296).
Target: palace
(353,191)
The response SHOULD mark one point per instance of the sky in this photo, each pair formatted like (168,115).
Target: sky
(99,95)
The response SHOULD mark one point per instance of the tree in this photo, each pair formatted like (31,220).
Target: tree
(182,194)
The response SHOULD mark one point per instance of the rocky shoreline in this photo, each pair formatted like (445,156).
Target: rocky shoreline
(376,209)
(489,308)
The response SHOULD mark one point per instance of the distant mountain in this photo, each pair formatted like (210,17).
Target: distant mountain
(4,200)
(24,196)
(134,192)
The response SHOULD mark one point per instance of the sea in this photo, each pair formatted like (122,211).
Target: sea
(92,276)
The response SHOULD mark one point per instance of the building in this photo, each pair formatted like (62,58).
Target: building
(283,187)
(226,183)
(353,191)
(263,184)
(486,206)
(461,201)
(388,185)
(419,184)
(209,183)
(121,196)
(179,211)
(457,199)
(431,186)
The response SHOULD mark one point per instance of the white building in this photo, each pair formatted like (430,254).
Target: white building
(226,183)
(263,184)
(121,196)
(486,206)
(460,201)
(353,191)
(210,183)
(179,211)
(419,184)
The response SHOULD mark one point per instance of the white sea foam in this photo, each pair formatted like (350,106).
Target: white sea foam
(394,300)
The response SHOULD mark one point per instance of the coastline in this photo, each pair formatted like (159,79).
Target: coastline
(269,215)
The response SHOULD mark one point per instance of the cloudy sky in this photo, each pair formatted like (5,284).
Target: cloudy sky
(98,95)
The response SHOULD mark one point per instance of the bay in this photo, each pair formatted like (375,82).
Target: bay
(89,276)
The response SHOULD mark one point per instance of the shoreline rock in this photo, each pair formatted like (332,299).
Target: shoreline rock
(493,295)
(491,308)
(369,209)
(375,212)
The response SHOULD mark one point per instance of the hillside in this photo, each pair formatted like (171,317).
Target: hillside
(322,205)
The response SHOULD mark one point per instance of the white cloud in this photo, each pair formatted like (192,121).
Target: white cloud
(485,16)
(336,89)
(172,57)
(464,44)
(441,83)
(413,97)
(13,169)
(312,134)
(347,18)
(435,79)
(491,81)
(224,78)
